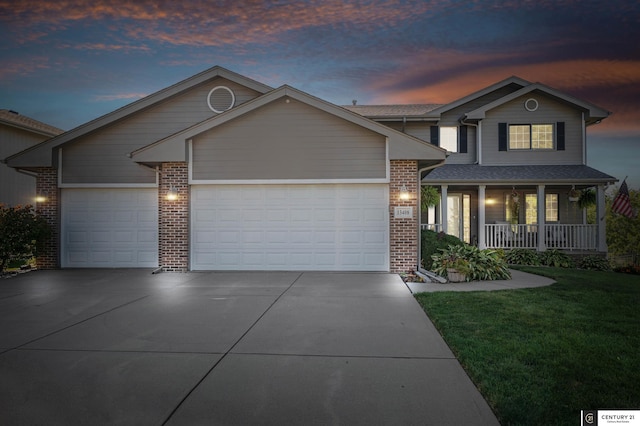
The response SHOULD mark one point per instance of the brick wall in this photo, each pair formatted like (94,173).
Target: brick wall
(47,186)
(403,233)
(173,230)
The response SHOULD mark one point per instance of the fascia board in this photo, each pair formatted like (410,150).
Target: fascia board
(517,80)
(132,108)
(400,143)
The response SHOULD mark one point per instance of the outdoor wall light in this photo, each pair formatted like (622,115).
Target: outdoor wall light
(41,198)
(404,193)
(172,194)
(491,201)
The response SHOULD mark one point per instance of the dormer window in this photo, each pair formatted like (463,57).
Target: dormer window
(531,136)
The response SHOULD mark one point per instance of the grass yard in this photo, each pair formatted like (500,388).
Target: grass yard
(541,355)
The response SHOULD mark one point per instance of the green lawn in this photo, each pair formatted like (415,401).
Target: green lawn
(541,355)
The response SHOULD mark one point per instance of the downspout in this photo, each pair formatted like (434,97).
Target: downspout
(420,171)
(478,137)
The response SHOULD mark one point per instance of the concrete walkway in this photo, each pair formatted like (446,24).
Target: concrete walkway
(127,347)
(518,280)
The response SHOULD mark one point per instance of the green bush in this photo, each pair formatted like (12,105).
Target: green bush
(520,256)
(476,264)
(433,242)
(556,258)
(21,230)
(596,263)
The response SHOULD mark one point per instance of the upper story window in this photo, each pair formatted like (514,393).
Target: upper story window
(449,138)
(531,136)
(514,137)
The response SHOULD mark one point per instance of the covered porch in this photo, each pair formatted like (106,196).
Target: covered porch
(507,217)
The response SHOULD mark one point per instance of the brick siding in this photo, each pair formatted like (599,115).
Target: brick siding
(47,186)
(173,229)
(403,233)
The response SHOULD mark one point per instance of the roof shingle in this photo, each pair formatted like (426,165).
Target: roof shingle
(18,120)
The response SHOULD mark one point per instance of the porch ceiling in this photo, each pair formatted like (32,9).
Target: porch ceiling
(497,175)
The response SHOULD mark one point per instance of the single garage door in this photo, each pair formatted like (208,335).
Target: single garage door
(290,227)
(110,228)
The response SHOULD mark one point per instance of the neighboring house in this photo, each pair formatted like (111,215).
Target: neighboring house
(220,172)
(517,151)
(18,132)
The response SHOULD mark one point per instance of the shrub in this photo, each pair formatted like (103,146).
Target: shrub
(433,242)
(556,258)
(520,256)
(476,264)
(21,229)
(597,263)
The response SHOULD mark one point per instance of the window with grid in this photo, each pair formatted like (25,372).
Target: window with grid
(531,136)
(551,207)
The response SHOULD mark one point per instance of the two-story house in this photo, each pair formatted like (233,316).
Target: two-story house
(517,161)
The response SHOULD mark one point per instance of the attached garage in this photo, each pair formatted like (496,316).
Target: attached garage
(342,227)
(109,228)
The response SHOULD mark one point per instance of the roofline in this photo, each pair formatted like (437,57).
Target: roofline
(278,93)
(512,182)
(444,108)
(31,129)
(594,111)
(146,102)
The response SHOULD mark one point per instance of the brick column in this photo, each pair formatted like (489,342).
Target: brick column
(403,233)
(173,217)
(47,187)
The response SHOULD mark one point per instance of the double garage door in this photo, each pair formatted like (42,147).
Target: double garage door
(290,227)
(234,227)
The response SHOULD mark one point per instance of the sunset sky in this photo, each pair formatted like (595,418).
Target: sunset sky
(66,62)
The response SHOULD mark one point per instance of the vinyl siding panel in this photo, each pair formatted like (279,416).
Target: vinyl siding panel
(16,188)
(452,117)
(288,141)
(549,111)
(101,157)
(470,156)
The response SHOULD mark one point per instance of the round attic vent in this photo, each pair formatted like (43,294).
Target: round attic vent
(531,104)
(221,99)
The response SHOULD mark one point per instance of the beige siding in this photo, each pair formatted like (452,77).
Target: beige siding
(288,141)
(470,156)
(16,188)
(549,111)
(101,157)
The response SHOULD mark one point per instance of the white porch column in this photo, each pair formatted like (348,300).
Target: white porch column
(541,219)
(444,208)
(482,244)
(601,218)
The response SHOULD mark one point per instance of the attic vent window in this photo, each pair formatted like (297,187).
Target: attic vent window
(221,99)
(531,104)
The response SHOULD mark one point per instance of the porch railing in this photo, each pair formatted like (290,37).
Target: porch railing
(558,236)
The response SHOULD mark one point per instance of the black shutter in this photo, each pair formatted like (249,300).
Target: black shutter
(502,136)
(463,139)
(435,135)
(560,136)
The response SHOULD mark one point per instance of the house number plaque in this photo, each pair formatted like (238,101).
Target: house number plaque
(403,212)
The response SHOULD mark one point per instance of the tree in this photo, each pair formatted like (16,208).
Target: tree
(21,231)
(623,233)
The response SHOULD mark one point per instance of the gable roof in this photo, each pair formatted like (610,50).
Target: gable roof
(594,113)
(513,80)
(40,155)
(475,173)
(15,119)
(401,145)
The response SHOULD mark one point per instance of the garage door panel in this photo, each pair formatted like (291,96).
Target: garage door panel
(109,227)
(290,227)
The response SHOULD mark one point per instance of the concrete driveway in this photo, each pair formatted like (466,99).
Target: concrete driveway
(128,347)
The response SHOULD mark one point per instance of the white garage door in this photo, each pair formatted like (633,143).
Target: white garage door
(109,228)
(290,227)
